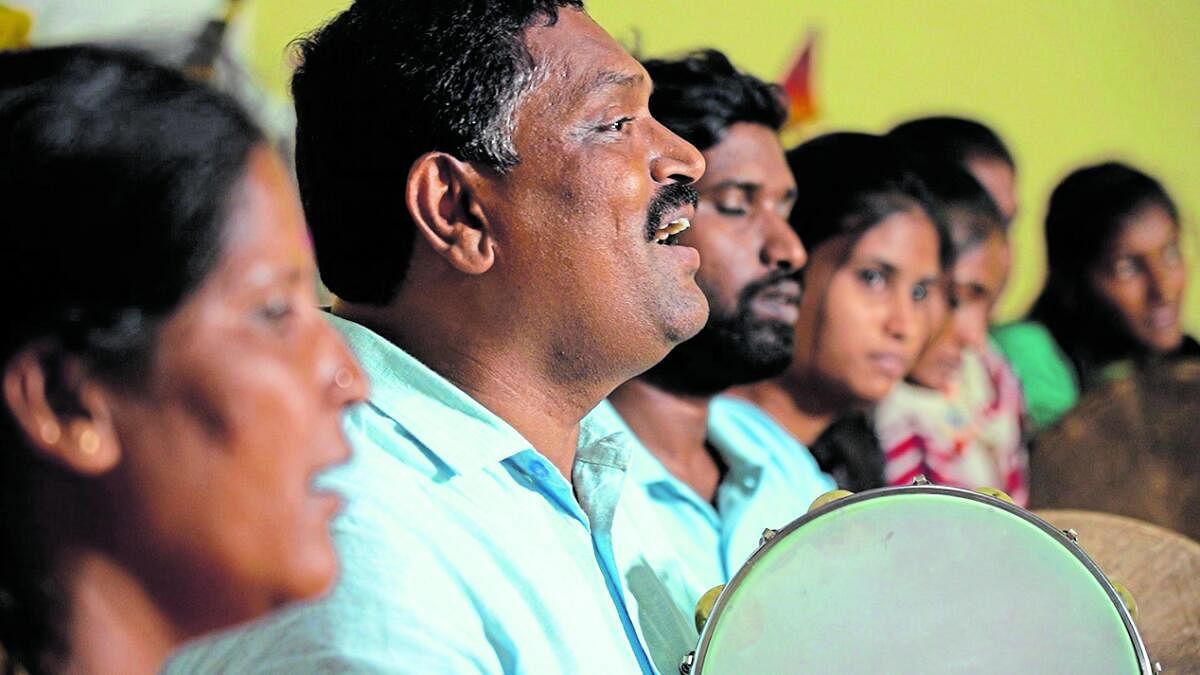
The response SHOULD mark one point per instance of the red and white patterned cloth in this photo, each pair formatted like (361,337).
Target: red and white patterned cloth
(971,436)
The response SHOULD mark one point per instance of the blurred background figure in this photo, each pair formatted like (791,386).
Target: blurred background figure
(968,144)
(877,251)
(957,419)
(1113,295)
(1126,410)
(170,390)
(210,40)
(1128,448)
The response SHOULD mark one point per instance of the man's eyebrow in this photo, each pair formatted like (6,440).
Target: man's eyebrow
(738,183)
(748,188)
(613,78)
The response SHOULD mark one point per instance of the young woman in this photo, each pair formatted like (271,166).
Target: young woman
(170,389)
(1113,295)
(876,255)
(957,418)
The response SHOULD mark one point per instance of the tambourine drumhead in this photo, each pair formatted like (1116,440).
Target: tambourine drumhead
(921,579)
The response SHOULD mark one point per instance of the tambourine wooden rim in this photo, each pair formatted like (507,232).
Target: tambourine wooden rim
(1058,535)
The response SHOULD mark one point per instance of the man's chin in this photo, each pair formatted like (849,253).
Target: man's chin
(770,336)
(722,353)
(749,373)
(765,352)
(688,318)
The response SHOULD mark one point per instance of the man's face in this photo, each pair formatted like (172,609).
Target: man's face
(749,270)
(578,218)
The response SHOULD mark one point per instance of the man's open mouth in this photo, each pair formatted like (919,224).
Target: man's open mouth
(668,233)
(669,213)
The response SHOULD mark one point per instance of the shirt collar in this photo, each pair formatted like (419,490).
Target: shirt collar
(647,470)
(725,432)
(460,430)
(605,440)
(644,467)
(445,419)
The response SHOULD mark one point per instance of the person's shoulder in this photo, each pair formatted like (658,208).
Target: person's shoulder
(1002,379)
(384,451)
(1020,335)
(740,421)
(742,414)
(1190,348)
(1049,382)
(1033,353)
(906,400)
(396,491)
(395,564)
(1026,345)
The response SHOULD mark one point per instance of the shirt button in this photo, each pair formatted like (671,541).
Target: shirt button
(539,470)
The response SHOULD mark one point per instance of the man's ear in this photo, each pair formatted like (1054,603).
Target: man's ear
(64,414)
(444,205)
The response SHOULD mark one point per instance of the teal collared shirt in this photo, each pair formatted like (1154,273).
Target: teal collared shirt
(462,549)
(771,480)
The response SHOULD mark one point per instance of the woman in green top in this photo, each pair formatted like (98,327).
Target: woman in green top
(1112,298)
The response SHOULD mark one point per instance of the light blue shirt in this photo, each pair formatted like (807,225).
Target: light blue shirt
(464,550)
(771,480)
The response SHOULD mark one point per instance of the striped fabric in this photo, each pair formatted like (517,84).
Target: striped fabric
(969,437)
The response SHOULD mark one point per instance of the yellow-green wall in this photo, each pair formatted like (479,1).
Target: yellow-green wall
(1064,81)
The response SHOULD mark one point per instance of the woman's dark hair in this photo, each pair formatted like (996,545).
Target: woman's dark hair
(968,210)
(847,183)
(701,95)
(1087,211)
(116,178)
(951,139)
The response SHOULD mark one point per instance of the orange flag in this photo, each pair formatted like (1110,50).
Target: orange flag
(798,85)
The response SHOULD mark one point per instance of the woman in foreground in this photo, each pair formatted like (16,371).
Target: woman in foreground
(170,389)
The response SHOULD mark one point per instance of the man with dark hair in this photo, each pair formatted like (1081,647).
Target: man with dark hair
(715,471)
(969,144)
(497,212)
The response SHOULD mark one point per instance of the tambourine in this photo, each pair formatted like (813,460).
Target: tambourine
(920,579)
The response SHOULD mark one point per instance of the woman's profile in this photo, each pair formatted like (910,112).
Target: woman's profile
(170,389)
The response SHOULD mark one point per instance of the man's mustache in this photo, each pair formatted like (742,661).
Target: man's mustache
(668,198)
(774,278)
